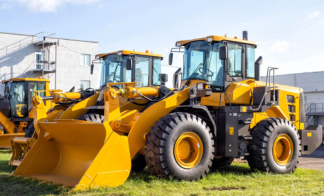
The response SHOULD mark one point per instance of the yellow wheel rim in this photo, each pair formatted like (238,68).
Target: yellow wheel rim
(283,149)
(188,150)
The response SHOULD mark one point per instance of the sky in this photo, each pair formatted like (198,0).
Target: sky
(289,33)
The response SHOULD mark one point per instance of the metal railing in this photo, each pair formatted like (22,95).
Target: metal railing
(41,36)
(24,43)
(312,108)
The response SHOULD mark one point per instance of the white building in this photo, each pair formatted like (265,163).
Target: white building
(313,85)
(66,62)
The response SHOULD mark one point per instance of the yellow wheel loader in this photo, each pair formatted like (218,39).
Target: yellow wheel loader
(221,110)
(57,101)
(146,72)
(16,108)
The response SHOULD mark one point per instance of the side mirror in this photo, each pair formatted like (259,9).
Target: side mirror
(129,64)
(257,65)
(176,79)
(72,89)
(223,53)
(163,78)
(7,90)
(170,58)
(91,68)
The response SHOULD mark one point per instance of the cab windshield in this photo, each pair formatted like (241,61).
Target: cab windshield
(201,61)
(114,70)
(146,70)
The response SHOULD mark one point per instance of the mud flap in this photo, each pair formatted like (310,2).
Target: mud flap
(5,139)
(78,154)
(311,138)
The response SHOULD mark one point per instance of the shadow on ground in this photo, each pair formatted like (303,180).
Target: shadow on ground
(146,176)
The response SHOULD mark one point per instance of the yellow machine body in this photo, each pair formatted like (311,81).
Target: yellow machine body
(240,93)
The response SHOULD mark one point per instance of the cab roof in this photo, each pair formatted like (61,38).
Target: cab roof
(31,79)
(216,38)
(128,52)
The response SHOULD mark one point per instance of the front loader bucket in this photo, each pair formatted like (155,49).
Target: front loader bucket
(77,154)
(5,139)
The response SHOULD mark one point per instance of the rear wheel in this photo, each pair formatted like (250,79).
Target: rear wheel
(179,145)
(275,146)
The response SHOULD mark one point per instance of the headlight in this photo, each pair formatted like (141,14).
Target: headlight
(178,44)
(209,39)
(200,86)
(120,53)
(201,90)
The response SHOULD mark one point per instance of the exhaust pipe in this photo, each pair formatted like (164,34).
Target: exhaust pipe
(245,35)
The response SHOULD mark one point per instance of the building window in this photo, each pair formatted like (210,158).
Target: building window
(85,84)
(85,59)
(39,57)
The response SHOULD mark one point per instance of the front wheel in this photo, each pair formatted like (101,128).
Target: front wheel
(30,130)
(179,145)
(275,146)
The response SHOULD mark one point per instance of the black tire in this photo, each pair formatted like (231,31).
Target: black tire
(92,117)
(264,135)
(30,130)
(160,142)
(138,163)
(222,162)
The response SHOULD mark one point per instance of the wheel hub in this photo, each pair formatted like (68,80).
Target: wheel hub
(188,150)
(283,149)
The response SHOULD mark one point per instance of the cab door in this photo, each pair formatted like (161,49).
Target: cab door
(235,62)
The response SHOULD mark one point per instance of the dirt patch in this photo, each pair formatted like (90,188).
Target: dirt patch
(240,160)
(224,188)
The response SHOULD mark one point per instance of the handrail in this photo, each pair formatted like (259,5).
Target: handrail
(31,36)
(266,87)
(311,107)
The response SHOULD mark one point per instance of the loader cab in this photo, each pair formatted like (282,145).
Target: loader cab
(218,60)
(145,70)
(21,91)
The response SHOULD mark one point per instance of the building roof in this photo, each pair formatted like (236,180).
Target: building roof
(215,38)
(128,52)
(49,37)
(297,73)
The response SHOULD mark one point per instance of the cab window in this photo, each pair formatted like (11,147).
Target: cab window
(234,60)
(216,75)
(250,58)
(142,71)
(156,71)
(37,86)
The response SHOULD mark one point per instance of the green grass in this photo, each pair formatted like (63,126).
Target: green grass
(234,180)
